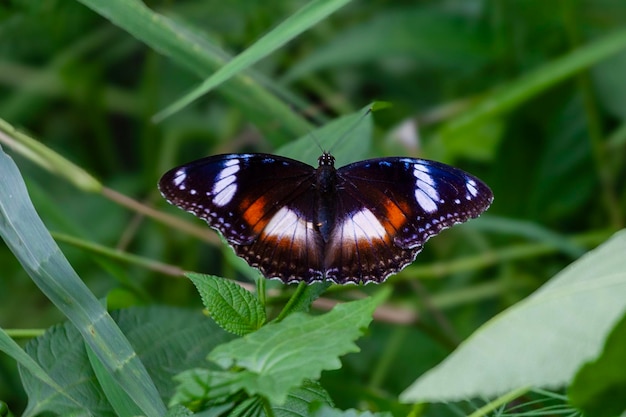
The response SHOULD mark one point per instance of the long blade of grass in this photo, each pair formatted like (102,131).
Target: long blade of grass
(191,49)
(294,25)
(31,243)
(508,97)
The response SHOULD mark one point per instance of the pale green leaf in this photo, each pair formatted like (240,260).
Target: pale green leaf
(233,308)
(541,341)
(279,356)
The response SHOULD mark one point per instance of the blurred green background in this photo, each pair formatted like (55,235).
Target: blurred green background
(529,95)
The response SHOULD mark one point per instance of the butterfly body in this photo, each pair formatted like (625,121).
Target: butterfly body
(356,224)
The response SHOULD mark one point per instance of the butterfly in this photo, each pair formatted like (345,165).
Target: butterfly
(356,224)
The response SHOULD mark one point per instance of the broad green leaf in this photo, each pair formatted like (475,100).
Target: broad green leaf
(183,340)
(61,353)
(300,399)
(8,346)
(213,388)
(599,389)
(233,308)
(200,385)
(312,13)
(279,356)
(31,243)
(541,341)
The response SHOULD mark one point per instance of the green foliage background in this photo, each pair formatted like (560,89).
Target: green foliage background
(529,95)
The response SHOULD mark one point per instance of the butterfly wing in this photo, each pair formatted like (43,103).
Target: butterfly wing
(262,204)
(390,208)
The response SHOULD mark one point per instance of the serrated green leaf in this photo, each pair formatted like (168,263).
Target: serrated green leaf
(599,388)
(279,356)
(300,400)
(233,308)
(203,385)
(541,341)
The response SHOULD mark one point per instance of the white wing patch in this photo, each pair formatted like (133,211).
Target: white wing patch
(361,225)
(425,192)
(287,223)
(225,185)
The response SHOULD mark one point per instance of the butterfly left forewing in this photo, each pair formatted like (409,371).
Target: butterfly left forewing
(389,208)
(262,205)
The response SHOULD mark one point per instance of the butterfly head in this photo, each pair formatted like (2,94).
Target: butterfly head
(326,159)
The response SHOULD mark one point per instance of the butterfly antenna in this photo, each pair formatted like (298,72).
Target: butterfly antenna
(350,129)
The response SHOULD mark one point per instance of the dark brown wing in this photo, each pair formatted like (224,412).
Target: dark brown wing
(388,208)
(263,206)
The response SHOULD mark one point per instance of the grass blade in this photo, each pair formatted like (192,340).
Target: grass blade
(294,25)
(29,240)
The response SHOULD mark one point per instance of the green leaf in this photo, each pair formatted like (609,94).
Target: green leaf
(599,388)
(541,341)
(178,411)
(31,243)
(233,308)
(300,399)
(326,411)
(279,356)
(121,403)
(303,297)
(303,19)
(8,346)
(184,338)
